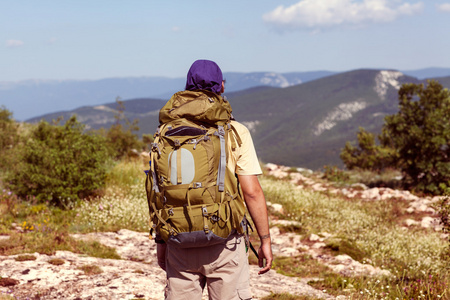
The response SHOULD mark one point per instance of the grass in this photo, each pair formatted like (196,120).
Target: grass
(25,257)
(286,296)
(418,259)
(124,205)
(91,269)
(300,266)
(367,230)
(43,229)
(56,261)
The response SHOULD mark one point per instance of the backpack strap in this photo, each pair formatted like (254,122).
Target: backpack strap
(223,159)
(236,138)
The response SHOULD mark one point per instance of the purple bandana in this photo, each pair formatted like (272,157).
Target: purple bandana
(204,75)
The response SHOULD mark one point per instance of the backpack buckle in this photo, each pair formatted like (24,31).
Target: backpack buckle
(204,211)
(170,212)
(197,185)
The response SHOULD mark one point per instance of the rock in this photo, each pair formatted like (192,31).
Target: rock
(303,170)
(318,245)
(410,222)
(271,167)
(277,208)
(359,186)
(286,223)
(314,238)
(318,187)
(125,278)
(428,222)
(6,282)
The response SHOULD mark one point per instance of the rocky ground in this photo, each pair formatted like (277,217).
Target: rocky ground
(135,276)
(67,275)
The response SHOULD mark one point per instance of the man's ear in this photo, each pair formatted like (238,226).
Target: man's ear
(223,88)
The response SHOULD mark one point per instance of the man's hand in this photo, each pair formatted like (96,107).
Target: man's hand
(161,255)
(265,253)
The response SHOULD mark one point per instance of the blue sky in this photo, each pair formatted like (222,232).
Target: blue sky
(98,39)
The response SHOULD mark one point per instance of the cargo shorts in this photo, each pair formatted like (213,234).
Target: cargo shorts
(222,268)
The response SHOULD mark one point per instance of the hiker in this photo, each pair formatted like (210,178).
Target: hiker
(221,266)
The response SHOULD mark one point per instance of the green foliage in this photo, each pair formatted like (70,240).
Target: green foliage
(9,137)
(25,257)
(420,132)
(343,246)
(368,155)
(444,216)
(91,269)
(333,173)
(297,266)
(416,140)
(287,296)
(120,136)
(60,164)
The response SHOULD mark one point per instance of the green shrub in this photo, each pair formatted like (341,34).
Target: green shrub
(8,137)
(59,164)
(368,155)
(333,173)
(120,136)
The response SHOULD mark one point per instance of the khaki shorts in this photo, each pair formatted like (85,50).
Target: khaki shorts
(223,268)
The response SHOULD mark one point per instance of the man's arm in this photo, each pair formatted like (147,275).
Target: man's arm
(256,204)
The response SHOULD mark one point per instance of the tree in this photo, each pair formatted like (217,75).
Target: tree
(368,155)
(416,140)
(420,133)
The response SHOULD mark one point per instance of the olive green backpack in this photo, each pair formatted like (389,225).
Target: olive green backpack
(193,197)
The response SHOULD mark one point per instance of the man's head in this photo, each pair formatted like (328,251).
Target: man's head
(205,75)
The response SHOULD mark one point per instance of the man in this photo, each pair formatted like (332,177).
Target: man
(222,267)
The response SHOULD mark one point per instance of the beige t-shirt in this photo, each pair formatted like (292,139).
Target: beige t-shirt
(243,161)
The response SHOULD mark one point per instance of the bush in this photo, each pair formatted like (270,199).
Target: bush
(120,136)
(368,155)
(59,164)
(8,137)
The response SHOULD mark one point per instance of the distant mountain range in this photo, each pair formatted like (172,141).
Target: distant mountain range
(32,98)
(303,125)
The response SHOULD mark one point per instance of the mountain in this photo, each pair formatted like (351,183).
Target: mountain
(304,125)
(307,125)
(428,73)
(103,116)
(31,98)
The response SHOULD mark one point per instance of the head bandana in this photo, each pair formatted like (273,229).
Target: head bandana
(204,75)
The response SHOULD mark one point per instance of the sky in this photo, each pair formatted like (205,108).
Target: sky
(67,39)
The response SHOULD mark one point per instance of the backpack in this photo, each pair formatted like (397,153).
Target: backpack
(193,198)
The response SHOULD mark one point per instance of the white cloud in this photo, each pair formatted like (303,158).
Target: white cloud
(176,29)
(316,14)
(14,43)
(445,7)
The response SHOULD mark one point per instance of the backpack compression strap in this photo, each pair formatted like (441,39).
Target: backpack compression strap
(223,159)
